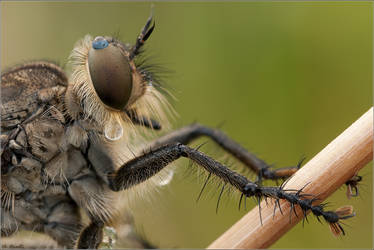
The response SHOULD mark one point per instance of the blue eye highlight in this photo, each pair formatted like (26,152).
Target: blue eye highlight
(99,43)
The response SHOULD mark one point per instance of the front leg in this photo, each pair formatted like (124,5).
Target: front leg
(189,133)
(143,167)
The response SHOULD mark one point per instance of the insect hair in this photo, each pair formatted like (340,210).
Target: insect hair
(212,187)
(146,101)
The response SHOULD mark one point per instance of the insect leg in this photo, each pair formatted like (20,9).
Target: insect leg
(143,167)
(63,223)
(352,184)
(91,236)
(93,196)
(187,134)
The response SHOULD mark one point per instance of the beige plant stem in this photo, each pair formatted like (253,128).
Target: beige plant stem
(325,173)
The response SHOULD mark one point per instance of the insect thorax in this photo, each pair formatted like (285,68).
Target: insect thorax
(63,147)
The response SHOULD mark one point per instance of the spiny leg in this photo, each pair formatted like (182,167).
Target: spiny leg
(189,133)
(143,167)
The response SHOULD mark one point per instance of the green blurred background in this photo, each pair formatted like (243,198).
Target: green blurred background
(285,78)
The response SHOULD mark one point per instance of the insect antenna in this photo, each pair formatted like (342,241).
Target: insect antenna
(143,36)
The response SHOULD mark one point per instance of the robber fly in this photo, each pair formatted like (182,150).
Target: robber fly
(67,144)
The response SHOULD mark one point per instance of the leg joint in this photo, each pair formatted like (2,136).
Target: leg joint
(182,149)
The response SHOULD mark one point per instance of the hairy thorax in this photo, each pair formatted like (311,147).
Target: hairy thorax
(46,169)
(63,139)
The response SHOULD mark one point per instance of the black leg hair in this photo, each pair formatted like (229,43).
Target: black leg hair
(206,181)
(187,134)
(219,197)
(143,167)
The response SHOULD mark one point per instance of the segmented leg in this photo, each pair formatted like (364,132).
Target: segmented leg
(189,133)
(168,149)
(143,167)
(91,236)
(94,197)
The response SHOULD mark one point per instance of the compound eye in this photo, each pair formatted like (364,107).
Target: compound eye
(99,43)
(110,73)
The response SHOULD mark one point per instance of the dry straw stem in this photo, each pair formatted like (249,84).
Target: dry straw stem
(325,173)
